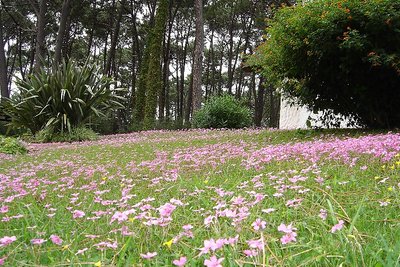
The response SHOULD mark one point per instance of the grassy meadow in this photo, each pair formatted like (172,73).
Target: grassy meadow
(204,198)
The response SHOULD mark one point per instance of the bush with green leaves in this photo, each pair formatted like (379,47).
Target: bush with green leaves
(76,134)
(9,145)
(62,98)
(339,55)
(222,112)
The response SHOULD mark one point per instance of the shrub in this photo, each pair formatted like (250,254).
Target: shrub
(10,145)
(62,98)
(222,112)
(76,134)
(342,55)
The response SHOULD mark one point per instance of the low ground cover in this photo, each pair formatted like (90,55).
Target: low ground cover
(204,197)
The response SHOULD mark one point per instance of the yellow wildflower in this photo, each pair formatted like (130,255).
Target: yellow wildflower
(168,243)
(98,264)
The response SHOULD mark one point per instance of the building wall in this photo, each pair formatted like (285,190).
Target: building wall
(292,117)
(295,117)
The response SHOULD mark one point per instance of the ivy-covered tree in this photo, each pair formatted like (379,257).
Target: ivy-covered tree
(153,78)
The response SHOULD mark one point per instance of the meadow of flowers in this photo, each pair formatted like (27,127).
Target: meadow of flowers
(204,198)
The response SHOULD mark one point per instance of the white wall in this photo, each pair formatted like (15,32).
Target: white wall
(295,117)
(292,117)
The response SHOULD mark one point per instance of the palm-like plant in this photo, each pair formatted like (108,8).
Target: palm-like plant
(62,98)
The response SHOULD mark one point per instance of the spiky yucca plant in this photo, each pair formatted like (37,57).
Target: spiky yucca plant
(62,98)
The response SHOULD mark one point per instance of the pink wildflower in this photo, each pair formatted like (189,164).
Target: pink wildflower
(259,224)
(338,226)
(258,244)
(213,262)
(38,241)
(187,227)
(269,210)
(286,228)
(181,262)
(166,209)
(105,245)
(231,240)
(250,252)
(119,216)
(2,260)
(290,234)
(208,220)
(77,214)
(289,237)
(125,231)
(81,251)
(148,255)
(383,203)
(7,240)
(323,214)
(4,209)
(211,245)
(56,239)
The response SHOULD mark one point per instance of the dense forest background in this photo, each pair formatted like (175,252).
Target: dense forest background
(118,36)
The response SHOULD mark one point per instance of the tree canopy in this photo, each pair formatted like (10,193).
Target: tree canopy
(160,76)
(338,55)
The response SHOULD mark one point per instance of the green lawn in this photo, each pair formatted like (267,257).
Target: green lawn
(151,198)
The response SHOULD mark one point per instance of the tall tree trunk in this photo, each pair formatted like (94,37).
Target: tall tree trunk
(213,82)
(66,8)
(40,35)
(91,32)
(239,85)
(177,103)
(207,78)
(114,40)
(32,55)
(189,102)
(140,102)
(252,90)
(21,67)
(134,60)
(165,72)
(220,81)
(69,39)
(182,69)
(259,103)
(3,63)
(105,51)
(230,56)
(198,57)
(133,81)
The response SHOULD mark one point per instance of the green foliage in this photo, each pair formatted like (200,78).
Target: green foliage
(222,112)
(342,55)
(9,145)
(76,134)
(62,98)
